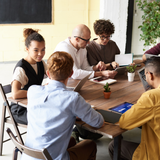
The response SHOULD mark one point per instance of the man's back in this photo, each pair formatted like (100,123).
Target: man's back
(52,111)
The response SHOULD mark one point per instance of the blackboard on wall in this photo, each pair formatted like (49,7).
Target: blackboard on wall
(25,11)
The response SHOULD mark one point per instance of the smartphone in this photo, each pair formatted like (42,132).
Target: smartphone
(100,79)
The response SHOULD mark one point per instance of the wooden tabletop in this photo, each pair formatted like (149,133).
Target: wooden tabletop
(122,91)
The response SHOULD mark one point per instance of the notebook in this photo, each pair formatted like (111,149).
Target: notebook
(113,114)
(103,80)
(79,85)
(141,74)
(124,59)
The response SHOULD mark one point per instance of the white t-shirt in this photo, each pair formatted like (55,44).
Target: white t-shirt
(20,75)
(81,67)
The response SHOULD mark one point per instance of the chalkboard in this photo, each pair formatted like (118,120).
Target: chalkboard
(25,11)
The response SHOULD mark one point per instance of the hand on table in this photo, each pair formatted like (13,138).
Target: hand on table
(109,74)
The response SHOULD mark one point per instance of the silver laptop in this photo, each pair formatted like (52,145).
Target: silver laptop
(109,116)
(142,76)
(150,55)
(80,84)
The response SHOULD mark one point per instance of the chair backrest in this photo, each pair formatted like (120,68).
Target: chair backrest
(40,154)
(7,119)
(4,90)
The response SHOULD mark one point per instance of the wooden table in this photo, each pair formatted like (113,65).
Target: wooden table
(122,91)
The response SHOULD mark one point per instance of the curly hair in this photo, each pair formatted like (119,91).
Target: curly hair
(60,65)
(31,35)
(103,26)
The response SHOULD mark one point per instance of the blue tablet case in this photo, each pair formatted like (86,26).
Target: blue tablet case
(113,114)
(121,108)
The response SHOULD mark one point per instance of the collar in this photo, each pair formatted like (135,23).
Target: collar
(53,85)
(70,44)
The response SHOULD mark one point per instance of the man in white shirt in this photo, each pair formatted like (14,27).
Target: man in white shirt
(76,47)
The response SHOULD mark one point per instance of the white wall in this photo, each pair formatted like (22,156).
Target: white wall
(117,12)
(137,45)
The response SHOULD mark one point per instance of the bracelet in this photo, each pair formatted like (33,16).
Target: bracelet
(111,65)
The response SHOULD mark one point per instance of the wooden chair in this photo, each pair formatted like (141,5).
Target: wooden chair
(39,154)
(8,119)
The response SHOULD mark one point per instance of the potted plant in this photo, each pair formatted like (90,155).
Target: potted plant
(131,72)
(150,21)
(106,91)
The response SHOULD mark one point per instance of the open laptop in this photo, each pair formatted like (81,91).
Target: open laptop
(124,59)
(150,55)
(79,85)
(113,114)
(142,76)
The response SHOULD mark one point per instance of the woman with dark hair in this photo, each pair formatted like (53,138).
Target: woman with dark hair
(28,71)
(102,48)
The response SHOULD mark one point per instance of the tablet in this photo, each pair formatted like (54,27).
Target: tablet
(121,70)
(121,108)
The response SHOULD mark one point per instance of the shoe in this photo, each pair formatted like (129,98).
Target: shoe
(75,135)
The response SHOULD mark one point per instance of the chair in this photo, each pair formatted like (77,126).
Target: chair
(8,119)
(40,154)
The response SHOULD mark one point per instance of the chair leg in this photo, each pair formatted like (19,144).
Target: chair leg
(15,153)
(15,127)
(2,128)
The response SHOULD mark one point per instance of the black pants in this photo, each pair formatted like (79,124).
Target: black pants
(19,113)
(87,134)
(127,149)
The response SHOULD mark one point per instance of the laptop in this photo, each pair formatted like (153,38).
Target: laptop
(113,114)
(124,59)
(79,85)
(141,74)
(150,55)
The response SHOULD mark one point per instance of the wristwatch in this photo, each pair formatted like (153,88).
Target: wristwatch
(111,65)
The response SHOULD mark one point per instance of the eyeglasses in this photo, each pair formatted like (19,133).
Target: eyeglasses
(86,40)
(144,76)
(103,37)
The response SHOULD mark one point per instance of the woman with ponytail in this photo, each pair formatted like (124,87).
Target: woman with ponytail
(28,71)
